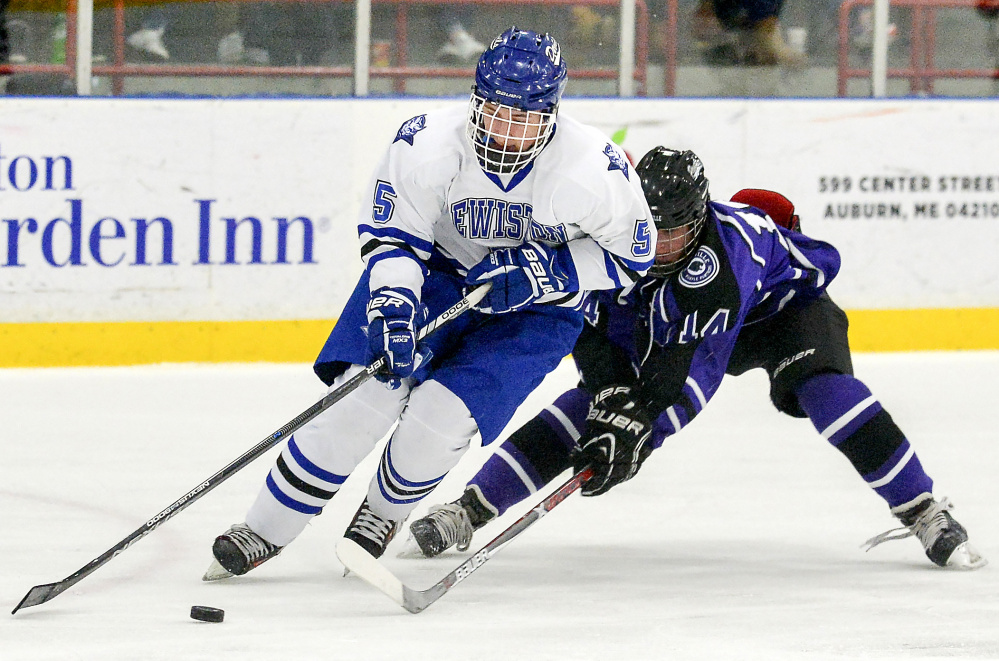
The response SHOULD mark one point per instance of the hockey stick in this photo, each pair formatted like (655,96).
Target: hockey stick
(359,561)
(42,593)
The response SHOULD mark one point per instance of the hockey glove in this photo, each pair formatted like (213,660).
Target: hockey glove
(616,442)
(394,315)
(522,275)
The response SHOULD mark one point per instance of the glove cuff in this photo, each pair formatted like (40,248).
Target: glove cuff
(392,302)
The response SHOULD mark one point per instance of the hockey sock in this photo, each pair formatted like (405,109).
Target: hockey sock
(296,490)
(534,455)
(847,415)
(319,457)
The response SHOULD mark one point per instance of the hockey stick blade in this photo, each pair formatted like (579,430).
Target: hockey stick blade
(362,563)
(40,594)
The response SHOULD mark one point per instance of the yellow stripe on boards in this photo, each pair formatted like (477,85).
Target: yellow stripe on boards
(924,330)
(137,343)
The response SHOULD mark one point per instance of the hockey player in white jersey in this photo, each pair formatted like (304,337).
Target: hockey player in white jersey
(506,191)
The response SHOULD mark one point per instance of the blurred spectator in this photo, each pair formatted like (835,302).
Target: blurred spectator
(288,34)
(990,10)
(743,32)
(4,37)
(18,40)
(461,47)
(148,39)
(590,27)
(862,30)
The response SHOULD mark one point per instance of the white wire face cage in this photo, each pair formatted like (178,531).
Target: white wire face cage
(506,138)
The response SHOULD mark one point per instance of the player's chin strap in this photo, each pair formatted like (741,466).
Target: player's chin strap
(355,559)
(42,593)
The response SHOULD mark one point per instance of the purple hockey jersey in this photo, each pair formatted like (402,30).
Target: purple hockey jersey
(673,338)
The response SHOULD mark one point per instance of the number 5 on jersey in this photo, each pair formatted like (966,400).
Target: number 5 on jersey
(384,202)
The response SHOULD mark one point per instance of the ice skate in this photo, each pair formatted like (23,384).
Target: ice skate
(443,527)
(370,531)
(944,539)
(449,525)
(237,551)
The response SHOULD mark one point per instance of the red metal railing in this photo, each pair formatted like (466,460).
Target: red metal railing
(118,69)
(921,71)
(67,68)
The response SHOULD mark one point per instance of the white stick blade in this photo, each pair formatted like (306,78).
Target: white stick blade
(362,563)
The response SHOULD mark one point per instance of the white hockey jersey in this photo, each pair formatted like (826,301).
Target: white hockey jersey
(429,197)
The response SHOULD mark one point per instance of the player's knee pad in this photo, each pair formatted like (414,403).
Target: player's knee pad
(342,435)
(786,387)
(317,459)
(801,344)
(434,431)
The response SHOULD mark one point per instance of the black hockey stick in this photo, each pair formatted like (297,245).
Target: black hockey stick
(359,561)
(42,593)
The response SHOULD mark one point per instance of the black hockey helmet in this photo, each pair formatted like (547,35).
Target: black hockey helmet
(677,192)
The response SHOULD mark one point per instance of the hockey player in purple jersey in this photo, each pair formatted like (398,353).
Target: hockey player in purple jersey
(488,193)
(730,291)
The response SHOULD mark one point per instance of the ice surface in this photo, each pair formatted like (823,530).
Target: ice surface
(739,540)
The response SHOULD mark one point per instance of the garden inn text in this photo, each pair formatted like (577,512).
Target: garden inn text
(78,236)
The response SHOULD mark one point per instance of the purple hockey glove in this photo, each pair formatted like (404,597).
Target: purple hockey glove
(522,275)
(394,317)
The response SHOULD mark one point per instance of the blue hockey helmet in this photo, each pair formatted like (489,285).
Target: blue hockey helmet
(522,69)
(518,85)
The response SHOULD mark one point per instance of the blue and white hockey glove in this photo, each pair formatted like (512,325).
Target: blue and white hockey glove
(394,317)
(522,275)
(616,442)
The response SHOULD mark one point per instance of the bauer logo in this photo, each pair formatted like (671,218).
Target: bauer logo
(470,565)
(702,269)
(792,359)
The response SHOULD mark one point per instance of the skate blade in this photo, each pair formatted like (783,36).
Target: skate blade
(966,557)
(410,549)
(216,572)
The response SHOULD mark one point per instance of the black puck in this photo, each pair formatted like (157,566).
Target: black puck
(207,613)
